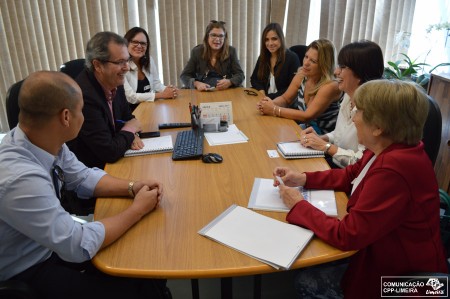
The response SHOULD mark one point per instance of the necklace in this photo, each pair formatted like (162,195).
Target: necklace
(350,115)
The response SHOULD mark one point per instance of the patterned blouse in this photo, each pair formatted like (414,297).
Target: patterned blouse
(324,123)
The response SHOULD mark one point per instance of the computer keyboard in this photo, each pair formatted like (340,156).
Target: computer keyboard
(188,145)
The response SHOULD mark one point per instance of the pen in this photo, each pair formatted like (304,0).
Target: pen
(298,135)
(279,180)
(120,121)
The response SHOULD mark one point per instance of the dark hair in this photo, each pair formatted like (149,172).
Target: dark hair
(225,51)
(145,62)
(97,47)
(364,58)
(264,56)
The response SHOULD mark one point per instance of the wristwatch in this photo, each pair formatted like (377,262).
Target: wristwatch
(327,148)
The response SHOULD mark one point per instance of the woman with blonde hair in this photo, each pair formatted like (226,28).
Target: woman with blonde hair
(341,145)
(213,64)
(314,88)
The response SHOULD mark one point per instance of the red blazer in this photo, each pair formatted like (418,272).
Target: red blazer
(393,218)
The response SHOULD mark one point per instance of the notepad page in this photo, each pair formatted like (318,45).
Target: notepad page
(259,236)
(266,197)
(153,145)
(233,135)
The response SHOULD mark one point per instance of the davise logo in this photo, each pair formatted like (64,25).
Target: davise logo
(436,285)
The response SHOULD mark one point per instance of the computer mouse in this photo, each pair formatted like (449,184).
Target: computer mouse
(212,158)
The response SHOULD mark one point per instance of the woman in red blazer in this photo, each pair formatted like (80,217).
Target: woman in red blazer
(393,210)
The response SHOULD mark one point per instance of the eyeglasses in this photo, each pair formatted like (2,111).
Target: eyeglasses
(250,92)
(121,62)
(220,22)
(214,36)
(136,43)
(342,66)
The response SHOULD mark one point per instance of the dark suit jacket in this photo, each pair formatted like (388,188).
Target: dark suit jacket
(282,81)
(101,140)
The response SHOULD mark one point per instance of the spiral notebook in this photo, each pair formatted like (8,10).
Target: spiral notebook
(294,150)
(156,145)
(268,240)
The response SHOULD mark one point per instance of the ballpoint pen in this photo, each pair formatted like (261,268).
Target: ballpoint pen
(298,135)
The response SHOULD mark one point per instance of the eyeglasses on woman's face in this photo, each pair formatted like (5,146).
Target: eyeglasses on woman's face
(136,43)
(216,36)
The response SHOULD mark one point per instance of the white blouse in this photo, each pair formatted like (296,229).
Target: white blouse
(344,136)
(131,83)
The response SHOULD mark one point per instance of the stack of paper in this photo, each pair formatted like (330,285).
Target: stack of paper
(233,135)
(268,240)
(266,197)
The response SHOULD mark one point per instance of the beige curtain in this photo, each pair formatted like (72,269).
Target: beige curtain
(297,22)
(385,22)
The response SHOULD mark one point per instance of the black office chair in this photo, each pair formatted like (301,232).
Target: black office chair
(15,289)
(432,130)
(12,104)
(73,67)
(300,50)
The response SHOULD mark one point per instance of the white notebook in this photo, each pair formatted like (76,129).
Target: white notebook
(268,240)
(266,197)
(233,135)
(155,145)
(294,150)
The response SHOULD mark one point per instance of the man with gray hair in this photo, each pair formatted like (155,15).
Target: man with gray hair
(109,128)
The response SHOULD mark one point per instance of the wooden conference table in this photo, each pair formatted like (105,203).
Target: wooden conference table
(165,243)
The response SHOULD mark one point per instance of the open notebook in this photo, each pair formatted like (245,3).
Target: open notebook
(294,150)
(266,197)
(268,240)
(156,145)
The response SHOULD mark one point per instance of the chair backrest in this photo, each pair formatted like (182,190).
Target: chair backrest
(12,104)
(73,67)
(432,130)
(300,50)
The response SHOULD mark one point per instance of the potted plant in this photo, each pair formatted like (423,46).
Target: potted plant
(402,69)
(407,69)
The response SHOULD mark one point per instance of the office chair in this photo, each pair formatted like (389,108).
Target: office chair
(15,289)
(300,50)
(73,67)
(12,104)
(432,130)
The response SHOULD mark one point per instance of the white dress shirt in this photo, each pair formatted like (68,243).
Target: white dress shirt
(33,224)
